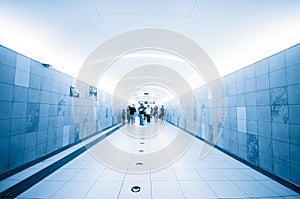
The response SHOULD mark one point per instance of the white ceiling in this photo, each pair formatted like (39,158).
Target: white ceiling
(234,33)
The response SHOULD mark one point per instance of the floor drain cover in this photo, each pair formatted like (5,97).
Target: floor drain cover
(142,142)
(139,164)
(135,189)
(141,150)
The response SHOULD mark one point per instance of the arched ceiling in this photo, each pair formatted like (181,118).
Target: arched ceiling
(233,33)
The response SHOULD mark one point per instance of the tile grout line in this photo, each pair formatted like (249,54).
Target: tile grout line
(64,184)
(96,180)
(261,170)
(25,184)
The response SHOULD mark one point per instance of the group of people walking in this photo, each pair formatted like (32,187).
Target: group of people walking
(143,112)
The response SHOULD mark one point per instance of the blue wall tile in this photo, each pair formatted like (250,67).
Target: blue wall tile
(52,122)
(250,85)
(241,100)
(20,94)
(280,113)
(239,75)
(6,109)
(5,128)
(4,163)
(19,110)
(272,100)
(281,168)
(253,149)
(232,89)
(252,127)
(33,95)
(59,143)
(42,136)
(295,134)
(281,150)
(265,145)
(36,68)
(4,143)
(64,88)
(280,132)
(262,82)
(263,113)
(41,149)
(45,84)
(30,139)
(295,155)
(266,161)
(51,144)
(6,93)
(44,110)
(251,113)
(262,67)
(293,74)
(233,147)
(7,74)
(293,55)
(16,158)
(233,124)
(18,126)
(251,99)
(52,110)
(59,131)
(35,81)
(30,153)
(232,113)
(25,109)
(295,173)
(294,94)
(8,57)
(263,97)
(22,78)
(32,117)
(231,101)
(43,123)
(277,61)
(249,71)
(59,121)
(242,138)
(47,72)
(23,63)
(45,97)
(55,86)
(17,142)
(242,151)
(279,109)
(51,134)
(279,96)
(264,129)
(294,111)
(278,78)
(53,98)
(61,106)
(240,87)
(233,136)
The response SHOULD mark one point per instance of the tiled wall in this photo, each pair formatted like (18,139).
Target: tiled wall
(262,121)
(37,114)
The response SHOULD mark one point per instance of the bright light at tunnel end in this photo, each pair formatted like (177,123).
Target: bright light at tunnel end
(183,48)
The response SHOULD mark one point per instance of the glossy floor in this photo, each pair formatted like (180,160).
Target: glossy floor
(184,176)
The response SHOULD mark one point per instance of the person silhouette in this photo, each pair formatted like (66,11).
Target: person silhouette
(141,110)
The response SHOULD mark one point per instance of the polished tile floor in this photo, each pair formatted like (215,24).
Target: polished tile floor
(215,176)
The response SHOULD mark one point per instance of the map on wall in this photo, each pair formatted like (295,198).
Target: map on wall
(74,92)
(93,92)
